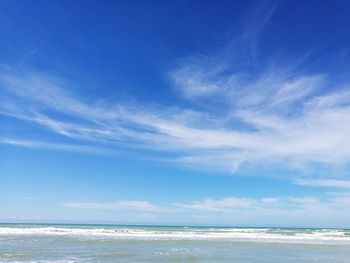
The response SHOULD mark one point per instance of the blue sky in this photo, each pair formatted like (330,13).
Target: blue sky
(175,112)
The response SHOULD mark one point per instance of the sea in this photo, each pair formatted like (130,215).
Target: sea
(118,243)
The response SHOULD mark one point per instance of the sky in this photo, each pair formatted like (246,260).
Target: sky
(232,113)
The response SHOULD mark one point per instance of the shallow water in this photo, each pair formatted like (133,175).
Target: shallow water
(99,243)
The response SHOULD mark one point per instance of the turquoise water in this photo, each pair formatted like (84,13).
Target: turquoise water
(100,243)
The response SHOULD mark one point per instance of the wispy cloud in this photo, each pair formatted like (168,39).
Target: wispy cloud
(56,146)
(247,132)
(328,210)
(120,205)
(323,183)
(259,15)
(238,115)
(217,205)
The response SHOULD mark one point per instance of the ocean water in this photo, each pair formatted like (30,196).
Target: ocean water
(104,243)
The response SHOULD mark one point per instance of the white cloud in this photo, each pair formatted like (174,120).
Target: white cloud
(123,205)
(56,146)
(323,183)
(217,205)
(317,134)
(296,89)
(329,210)
(240,114)
(270,200)
(195,81)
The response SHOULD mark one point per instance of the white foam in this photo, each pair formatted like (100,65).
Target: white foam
(233,234)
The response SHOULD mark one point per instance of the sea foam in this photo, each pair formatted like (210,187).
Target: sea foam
(281,235)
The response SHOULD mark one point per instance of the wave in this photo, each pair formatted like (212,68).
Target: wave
(313,236)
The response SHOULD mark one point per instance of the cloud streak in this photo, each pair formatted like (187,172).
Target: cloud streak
(323,183)
(218,205)
(120,205)
(329,210)
(57,146)
(262,130)
(239,115)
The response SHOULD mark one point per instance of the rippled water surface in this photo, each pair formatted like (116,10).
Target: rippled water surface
(99,243)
